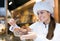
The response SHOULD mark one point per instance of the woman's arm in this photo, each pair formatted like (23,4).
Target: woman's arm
(22,31)
(30,35)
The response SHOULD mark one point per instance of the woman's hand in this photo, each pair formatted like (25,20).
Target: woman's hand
(12,22)
(27,28)
(17,32)
(30,35)
(21,31)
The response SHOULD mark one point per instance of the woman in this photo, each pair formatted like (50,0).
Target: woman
(46,29)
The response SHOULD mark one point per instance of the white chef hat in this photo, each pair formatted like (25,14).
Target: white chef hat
(42,6)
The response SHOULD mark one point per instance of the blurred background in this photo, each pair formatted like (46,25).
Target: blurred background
(22,12)
(2,20)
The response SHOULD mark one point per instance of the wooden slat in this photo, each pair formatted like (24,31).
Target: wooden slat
(56,11)
(59,9)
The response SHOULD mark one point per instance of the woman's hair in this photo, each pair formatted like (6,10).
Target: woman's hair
(51,28)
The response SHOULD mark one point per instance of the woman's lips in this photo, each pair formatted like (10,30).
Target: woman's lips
(41,18)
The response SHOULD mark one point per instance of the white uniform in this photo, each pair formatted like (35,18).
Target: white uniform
(41,30)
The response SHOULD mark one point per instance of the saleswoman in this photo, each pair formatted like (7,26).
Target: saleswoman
(46,29)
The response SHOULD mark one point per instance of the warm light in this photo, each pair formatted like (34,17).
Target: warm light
(2,26)
(10,3)
(38,0)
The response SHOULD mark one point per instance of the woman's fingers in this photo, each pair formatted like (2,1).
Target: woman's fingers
(30,35)
(22,37)
(12,22)
(21,31)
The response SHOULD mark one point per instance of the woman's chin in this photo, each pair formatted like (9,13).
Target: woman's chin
(42,20)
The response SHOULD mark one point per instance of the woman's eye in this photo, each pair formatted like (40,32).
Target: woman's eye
(41,12)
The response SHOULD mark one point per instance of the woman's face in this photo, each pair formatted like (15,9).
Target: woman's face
(43,15)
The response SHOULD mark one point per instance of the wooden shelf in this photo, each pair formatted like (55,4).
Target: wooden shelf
(25,6)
